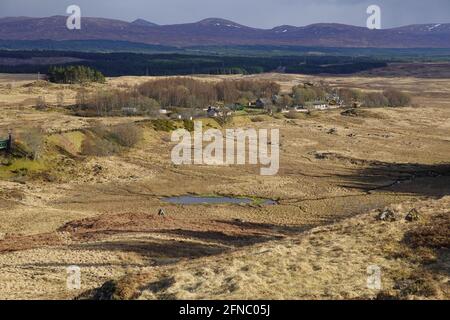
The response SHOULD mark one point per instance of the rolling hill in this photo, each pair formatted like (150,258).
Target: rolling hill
(214,31)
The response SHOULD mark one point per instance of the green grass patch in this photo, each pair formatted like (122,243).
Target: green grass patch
(163,125)
(22,167)
(69,141)
(188,125)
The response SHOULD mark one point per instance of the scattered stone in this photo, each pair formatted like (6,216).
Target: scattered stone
(97,168)
(349,113)
(413,215)
(48,177)
(316,267)
(332,131)
(387,215)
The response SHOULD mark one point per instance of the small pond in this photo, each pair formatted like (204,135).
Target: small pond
(216,200)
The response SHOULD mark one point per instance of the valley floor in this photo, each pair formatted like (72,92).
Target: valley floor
(101,213)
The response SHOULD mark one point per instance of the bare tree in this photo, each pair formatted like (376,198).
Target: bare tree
(396,98)
(41,104)
(81,97)
(34,141)
(223,115)
(127,134)
(60,99)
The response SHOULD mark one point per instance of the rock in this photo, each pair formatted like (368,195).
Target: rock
(97,169)
(161,212)
(387,215)
(413,215)
(349,113)
(316,267)
(332,131)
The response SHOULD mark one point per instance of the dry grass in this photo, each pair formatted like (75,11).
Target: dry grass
(434,233)
(324,263)
(308,246)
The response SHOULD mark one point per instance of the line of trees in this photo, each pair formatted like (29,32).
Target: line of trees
(182,93)
(387,98)
(302,94)
(191,93)
(106,103)
(125,63)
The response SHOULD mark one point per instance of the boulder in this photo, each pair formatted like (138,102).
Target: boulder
(387,215)
(412,215)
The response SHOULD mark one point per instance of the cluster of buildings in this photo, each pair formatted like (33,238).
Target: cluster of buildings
(331,101)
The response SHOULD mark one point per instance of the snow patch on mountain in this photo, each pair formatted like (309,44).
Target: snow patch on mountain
(434,27)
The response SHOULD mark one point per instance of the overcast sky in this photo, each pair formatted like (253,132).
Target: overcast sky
(255,13)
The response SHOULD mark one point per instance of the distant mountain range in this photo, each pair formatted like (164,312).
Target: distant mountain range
(213,31)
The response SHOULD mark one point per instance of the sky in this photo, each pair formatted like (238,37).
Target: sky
(254,13)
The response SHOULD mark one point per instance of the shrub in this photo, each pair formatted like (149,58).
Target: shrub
(350,96)
(60,99)
(188,125)
(362,113)
(294,115)
(41,104)
(257,119)
(223,116)
(397,98)
(92,146)
(374,100)
(163,125)
(33,139)
(100,130)
(127,135)
(432,234)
